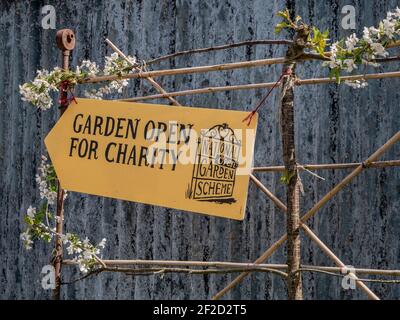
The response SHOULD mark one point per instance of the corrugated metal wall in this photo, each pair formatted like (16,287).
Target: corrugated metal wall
(333,124)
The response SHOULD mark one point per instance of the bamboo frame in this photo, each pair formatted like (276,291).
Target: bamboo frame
(315,209)
(314,237)
(359,167)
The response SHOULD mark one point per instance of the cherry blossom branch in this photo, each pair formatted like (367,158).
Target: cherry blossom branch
(166,270)
(220,47)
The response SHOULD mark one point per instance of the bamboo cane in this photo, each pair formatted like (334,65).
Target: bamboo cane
(189,70)
(314,81)
(376,164)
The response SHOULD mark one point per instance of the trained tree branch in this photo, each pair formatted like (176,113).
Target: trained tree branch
(221,47)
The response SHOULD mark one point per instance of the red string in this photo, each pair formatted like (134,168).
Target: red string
(65,88)
(285,72)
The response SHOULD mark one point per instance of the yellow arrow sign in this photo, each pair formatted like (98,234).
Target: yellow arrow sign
(186,158)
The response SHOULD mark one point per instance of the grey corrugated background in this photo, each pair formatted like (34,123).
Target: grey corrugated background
(334,124)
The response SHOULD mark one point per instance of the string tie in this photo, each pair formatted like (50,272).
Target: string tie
(285,72)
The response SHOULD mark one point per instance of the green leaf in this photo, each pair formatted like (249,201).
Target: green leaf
(280,26)
(284,14)
(335,73)
(286,177)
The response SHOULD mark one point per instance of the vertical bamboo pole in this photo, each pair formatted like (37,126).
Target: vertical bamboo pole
(294,283)
(65,39)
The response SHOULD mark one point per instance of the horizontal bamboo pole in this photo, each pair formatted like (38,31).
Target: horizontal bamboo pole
(371,76)
(376,164)
(223,264)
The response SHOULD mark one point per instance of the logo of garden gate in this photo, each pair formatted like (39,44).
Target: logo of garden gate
(214,172)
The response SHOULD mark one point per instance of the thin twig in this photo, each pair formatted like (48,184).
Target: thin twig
(388,59)
(310,172)
(221,47)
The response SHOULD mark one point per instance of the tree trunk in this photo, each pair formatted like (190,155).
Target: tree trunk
(294,282)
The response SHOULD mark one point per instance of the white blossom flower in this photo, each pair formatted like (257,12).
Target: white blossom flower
(357,84)
(388,27)
(27,239)
(82,266)
(70,249)
(31,212)
(36,93)
(374,31)
(379,49)
(367,35)
(102,243)
(89,67)
(42,180)
(396,13)
(350,65)
(351,42)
